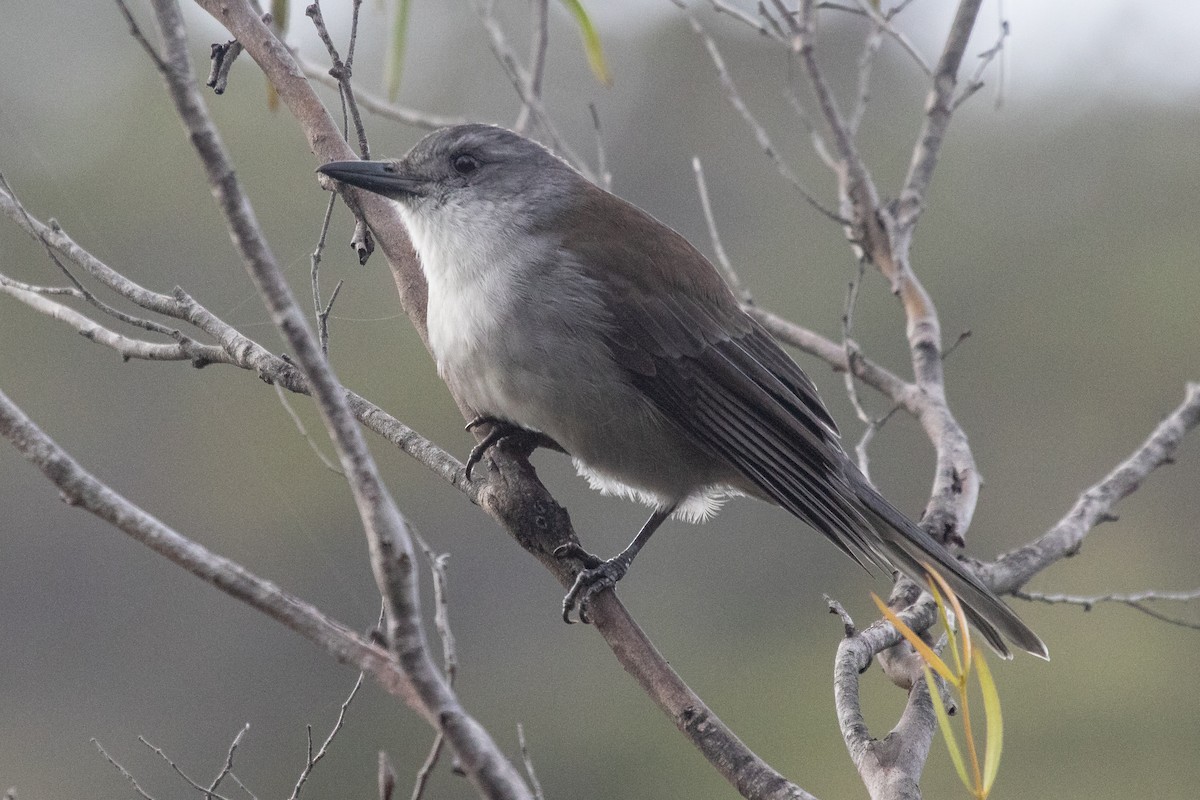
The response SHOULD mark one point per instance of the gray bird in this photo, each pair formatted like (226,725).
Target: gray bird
(558,309)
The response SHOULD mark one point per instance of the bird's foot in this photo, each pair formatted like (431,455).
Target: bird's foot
(505,430)
(500,429)
(596,576)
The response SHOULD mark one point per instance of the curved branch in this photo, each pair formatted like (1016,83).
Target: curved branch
(1012,570)
(889,767)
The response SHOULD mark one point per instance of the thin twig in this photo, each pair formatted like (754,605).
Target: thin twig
(129,319)
(710,220)
(441,618)
(323,318)
(605,176)
(235,348)
(136,31)
(884,24)
(776,28)
(772,32)
(341,71)
(1137,600)
(866,63)
(124,772)
(760,133)
(938,111)
(814,133)
(985,58)
(378,105)
(185,349)
(527,760)
(299,423)
(313,759)
(521,81)
(537,59)
(315,273)
(227,767)
(209,794)
(853,353)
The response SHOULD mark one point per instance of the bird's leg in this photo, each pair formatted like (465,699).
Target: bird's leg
(503,429)
(598,575)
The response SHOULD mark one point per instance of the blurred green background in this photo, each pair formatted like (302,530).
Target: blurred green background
(1061,231)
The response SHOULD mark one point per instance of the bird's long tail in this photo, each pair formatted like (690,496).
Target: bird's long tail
(906,546)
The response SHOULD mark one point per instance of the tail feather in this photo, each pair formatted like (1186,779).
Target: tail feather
(906,546)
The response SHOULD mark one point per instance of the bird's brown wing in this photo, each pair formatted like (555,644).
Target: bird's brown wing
(714,372)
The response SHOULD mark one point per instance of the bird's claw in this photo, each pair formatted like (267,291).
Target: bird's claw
(596,576)
(500,429)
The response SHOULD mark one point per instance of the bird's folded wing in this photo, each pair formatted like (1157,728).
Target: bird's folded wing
(717,374)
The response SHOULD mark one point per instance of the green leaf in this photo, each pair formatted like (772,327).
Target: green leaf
(591,41)
(995,722)
(279,15)
(926,652)
(943,719)
(393,64)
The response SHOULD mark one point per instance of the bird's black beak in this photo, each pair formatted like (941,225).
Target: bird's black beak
(387,178)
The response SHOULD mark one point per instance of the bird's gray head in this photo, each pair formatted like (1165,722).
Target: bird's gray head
(465,166)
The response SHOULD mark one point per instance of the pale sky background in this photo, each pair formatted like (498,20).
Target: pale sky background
(1144,46)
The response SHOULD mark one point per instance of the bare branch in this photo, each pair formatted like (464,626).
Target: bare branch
(387,777)
(739,105)
(521,81)
(938,109)
(183,350)
(528,761)
(387,534)
(227,767)
(1012,570)
(1137,600)
(985,58)
(723,261)
(771,31)
(124,772)
(209,794)
(378,105)
(537,59)
(342,70)
(313,759)
(834,354)
(136,32)
(884,24)
(889,767)
(299,423)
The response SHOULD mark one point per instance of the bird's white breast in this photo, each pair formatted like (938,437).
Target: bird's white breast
(518,332)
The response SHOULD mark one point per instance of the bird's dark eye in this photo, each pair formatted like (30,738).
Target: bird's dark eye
(464,163)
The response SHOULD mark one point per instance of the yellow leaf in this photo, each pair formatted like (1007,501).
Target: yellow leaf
(995,722)
(591,41)
(959,616)
(931,658)
(943,719)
